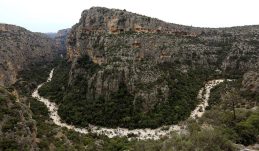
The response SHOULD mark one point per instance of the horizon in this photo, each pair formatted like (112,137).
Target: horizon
(50,16)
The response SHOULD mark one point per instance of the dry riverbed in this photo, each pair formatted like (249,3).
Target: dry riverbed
(203,97)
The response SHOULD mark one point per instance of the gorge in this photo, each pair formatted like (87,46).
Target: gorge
(124,81)
(136,133)
(138,72)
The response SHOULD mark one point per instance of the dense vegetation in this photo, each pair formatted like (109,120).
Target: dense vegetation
(34,74)
(250,95)
(118,110)
(241,128)
(219,135)
(57,89)
(49,136)
(199,138)
(221,131)
(15,122)
(54,137)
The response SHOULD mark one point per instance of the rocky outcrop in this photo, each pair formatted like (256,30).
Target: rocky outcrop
(60,40)
(251,81)
(19,48)
(103,21)
(101,31)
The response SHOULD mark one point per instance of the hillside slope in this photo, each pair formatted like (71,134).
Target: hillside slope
(20,48)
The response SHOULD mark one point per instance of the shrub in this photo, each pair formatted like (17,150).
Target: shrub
(248,129)
(246,133)
(8,144)
(2,98)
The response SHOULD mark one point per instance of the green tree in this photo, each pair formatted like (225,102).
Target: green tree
(230,99)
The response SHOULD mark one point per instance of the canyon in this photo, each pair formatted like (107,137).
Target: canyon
(121,76)
(142,134)
(113,52)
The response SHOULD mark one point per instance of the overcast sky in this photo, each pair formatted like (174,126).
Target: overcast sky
(52,15)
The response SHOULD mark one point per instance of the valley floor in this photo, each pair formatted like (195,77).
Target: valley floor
(142,134)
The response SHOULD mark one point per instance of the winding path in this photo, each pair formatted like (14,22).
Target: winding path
(143,134)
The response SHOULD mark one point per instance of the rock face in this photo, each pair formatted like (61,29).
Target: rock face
(139,51)
(133,44)
(251,81)
(101,30)
(102,21)
(19,48)
(60,40)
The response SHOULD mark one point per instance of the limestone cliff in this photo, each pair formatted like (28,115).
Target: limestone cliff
(153,59)
(60,40)
(100,31)
(19,48)
(133,45)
